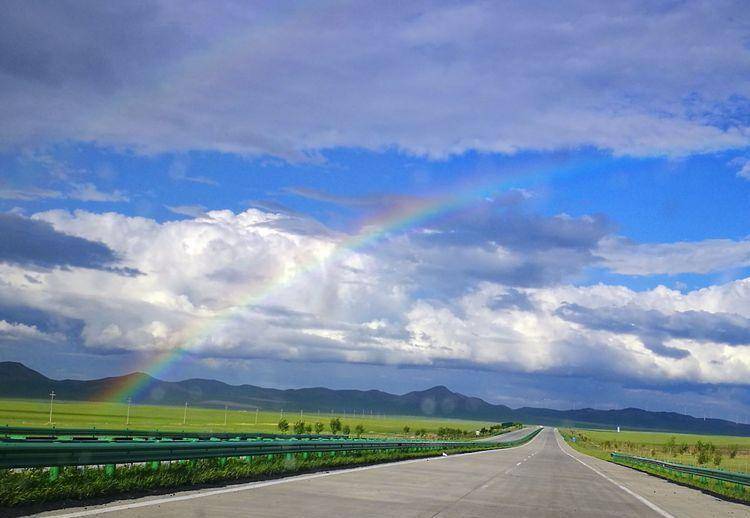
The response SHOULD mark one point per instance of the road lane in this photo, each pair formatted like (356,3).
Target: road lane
(510,436)
(538,479)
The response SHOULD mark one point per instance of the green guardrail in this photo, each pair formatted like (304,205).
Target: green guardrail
(716,474)
(35,454)
(17,431)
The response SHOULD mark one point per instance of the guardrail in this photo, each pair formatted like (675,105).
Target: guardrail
(716,474)
(34,454)
(10,432)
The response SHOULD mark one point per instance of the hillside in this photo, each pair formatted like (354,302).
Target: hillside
(19,381)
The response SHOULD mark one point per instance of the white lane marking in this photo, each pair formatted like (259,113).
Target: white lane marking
(648,503)
(257,485)
(518,464)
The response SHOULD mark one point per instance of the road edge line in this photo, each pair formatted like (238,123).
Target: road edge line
(632,493)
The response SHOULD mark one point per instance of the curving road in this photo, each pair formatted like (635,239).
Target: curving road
(543,478)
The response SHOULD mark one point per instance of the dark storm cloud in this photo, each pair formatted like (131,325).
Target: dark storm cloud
(431,78)
(654,327)
(490,223)
(90,45)
(491,242)
(511,299)
(33,243)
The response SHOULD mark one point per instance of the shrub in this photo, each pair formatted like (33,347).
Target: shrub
(359,430)
(346,430)
(335,425)
(283,425)
(733,451)
(670,446)
(319,427)
(406,430)
(704,451)
(299,427)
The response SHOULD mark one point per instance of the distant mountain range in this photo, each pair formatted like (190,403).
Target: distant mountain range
(19,381)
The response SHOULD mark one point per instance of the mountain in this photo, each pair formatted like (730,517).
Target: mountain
(19,381)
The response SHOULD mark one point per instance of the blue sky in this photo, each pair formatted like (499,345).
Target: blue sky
(192,179)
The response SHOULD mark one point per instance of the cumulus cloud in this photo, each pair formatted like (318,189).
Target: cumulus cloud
(275,286)
(13,331)
(432,78)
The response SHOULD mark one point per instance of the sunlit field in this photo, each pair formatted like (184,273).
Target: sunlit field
(77,414)
(719,451)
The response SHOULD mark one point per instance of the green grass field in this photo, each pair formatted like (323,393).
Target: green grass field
(77,414)
(734,452)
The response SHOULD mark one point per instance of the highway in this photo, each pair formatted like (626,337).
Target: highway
(544,478)
(510,436)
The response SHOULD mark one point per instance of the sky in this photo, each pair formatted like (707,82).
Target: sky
(538,204)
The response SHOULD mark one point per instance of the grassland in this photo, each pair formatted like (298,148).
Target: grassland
(711,451)
(77,414)
(733,452)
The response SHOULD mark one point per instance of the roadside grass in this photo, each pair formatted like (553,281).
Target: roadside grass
(733,452)
(33,486)
(106,415)
(601,444)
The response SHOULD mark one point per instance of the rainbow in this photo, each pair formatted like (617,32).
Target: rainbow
(397,220)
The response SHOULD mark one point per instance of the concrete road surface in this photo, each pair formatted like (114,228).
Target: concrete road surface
(540,479)
(510,436)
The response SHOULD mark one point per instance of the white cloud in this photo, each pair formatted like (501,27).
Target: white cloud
(711,255)
(744,165)
(16,331)
(78,191)
(429,78)
(89,192)
(31,193)
(265,285)
(192,211)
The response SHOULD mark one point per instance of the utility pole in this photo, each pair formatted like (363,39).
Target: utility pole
(127,418)
(184,414)
(226,409)
(51,400)
(256,415)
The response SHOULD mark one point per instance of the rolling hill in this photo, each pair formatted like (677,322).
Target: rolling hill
(19,381)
